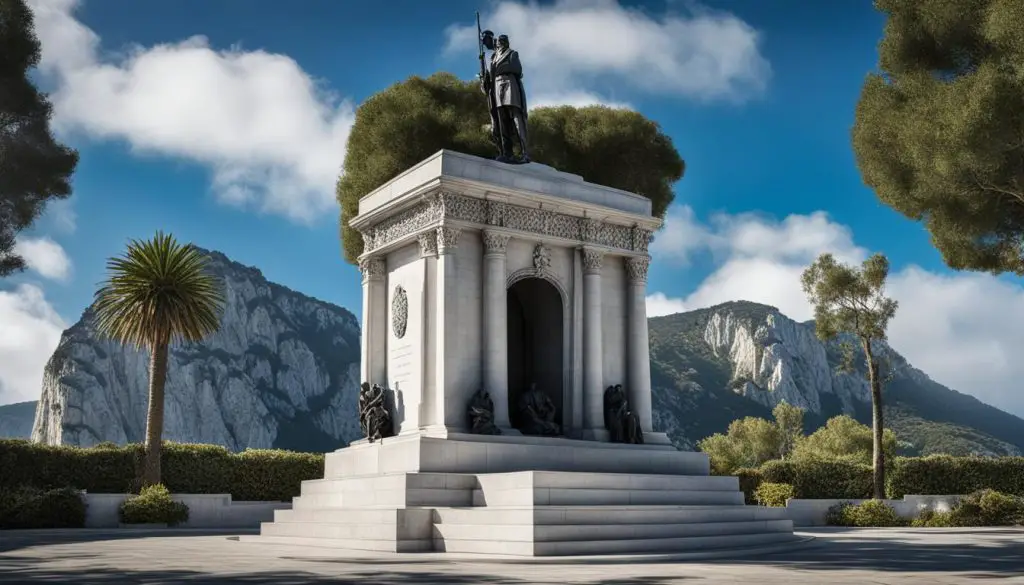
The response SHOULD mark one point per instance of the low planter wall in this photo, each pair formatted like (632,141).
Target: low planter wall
(204,511)
(812,512)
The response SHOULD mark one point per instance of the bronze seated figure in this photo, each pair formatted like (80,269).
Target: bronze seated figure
(374,414)
(481,414)
(622,423)
(537,414)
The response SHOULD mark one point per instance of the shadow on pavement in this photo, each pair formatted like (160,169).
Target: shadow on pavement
(17,569)
(995,558)
(11,540)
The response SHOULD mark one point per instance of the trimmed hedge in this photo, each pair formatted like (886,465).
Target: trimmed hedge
(947,475)
(264,474)
(813,479)
(933,475)
(27,507)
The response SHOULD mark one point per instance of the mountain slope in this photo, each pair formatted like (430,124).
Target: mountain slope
(16,420)
(741,359)
(282,371)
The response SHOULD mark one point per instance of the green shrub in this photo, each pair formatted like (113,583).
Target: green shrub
(947,475)
(264,474)
(837,516)
(27,507)
(774,495)
(750,479)
(874,513)
(153,506)
(867,514)
(819,479)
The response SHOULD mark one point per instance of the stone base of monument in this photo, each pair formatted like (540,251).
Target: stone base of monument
(522,496)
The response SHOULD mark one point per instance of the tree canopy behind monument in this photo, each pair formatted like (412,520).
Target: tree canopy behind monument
(413,119)
(34,168)
(939,131)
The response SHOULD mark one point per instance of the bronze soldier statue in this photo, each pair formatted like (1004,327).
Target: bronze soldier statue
(502,82)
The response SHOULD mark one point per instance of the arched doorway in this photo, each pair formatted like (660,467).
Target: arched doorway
(535,338)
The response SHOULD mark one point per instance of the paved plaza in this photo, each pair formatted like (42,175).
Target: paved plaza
(934,556)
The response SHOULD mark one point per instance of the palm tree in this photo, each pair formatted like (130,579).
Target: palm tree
(157,294)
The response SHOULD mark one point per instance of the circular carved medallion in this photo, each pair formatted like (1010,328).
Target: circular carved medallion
(399,312)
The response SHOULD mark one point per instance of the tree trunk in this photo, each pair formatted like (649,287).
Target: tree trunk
(876,421)
(155,417)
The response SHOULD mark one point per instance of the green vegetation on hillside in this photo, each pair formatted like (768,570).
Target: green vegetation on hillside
(695,391)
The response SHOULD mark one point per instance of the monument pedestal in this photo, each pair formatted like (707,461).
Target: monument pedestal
(524,496)
(520,281)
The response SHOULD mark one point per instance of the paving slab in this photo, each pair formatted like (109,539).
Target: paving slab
(896,556)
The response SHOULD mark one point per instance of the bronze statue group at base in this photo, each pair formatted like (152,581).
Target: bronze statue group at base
(537,414)
(502,83)
(375,412)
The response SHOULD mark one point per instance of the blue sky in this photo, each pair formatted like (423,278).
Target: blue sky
(223,122)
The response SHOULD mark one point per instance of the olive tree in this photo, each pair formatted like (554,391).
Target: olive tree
(851,301)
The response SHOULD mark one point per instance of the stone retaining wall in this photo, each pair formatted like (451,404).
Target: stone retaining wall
(812,512)
(204,511)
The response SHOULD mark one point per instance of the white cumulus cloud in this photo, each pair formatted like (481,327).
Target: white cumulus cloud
(31,330)
(965,330)
(271,135)
(45,257)
(571,44)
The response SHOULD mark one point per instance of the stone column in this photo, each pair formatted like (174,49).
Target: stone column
(593,346)
(448,413)
(373,359)
(638,342)
(495,325)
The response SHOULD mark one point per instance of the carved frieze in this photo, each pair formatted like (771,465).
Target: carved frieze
(636,268)
(445,206)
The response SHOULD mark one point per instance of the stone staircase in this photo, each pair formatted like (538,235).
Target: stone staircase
(527,513)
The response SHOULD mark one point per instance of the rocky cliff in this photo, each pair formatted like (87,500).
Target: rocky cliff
(741,359)
(282,371)
(16,420)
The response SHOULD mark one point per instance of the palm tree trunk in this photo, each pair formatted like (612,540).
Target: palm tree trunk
(876,421)
(155,417)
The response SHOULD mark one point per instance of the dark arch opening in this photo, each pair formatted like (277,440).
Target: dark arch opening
(534,344)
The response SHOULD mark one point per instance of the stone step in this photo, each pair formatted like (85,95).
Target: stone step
(620,546)
(422,518)
(464,453)
(386,545)
(595,532)
(393,481)
(346,530)
(561,515)
(602,497)
(384,498)
(618,481)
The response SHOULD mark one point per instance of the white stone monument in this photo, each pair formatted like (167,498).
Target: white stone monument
(479,274)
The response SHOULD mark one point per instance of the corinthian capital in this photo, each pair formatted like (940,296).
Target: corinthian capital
(372,269)
(495,242)
(636,268)
(592,261)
